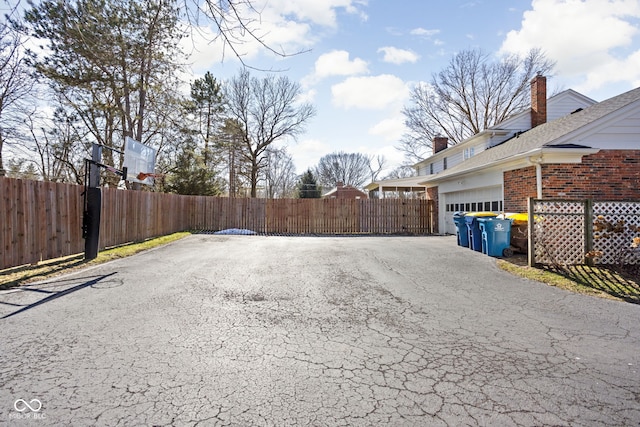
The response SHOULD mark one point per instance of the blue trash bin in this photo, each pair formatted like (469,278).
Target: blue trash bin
(461,229)
(473,228)
(496,236)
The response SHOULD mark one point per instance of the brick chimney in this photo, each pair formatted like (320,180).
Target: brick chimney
(538,100)
(440,143)
(339,184)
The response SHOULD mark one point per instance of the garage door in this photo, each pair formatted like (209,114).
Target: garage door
(484,199)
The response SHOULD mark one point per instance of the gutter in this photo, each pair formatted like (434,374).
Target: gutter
(526,156)
(537,161)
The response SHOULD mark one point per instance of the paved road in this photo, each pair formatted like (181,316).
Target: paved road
(247,330)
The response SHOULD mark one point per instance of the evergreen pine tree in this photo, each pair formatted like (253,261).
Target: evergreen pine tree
(308,186)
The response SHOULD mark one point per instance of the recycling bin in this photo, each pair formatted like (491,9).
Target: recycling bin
(473,228)
(461,229)
(496,236)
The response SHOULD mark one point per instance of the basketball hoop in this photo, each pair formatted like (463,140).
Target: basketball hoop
(139,158)
(144,175)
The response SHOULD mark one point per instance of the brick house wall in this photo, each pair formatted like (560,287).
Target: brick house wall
(606,175)
(519,184)
(432,194)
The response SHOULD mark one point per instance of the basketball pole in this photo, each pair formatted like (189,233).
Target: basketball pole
(93,194)
(93,205)
(93,200)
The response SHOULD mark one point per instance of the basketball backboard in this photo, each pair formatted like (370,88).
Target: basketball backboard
(140,161)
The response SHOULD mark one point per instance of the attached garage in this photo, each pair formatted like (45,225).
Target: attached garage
(488,199)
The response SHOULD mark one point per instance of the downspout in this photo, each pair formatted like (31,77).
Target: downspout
(537,161)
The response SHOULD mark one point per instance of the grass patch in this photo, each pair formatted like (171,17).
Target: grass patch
(599,281)
(17,276)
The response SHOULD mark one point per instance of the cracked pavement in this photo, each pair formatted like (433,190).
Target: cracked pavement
(322,331)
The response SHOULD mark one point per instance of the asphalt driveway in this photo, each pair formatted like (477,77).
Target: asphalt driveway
(248,330)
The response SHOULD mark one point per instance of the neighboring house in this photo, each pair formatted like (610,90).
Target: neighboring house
(342,191)
(568,146)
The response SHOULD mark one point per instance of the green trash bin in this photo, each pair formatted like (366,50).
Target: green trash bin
(496,237)
(473,228)
(461,229)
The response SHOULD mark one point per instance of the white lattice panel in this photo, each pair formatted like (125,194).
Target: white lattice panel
(567,207)
(559,234)
(615,225)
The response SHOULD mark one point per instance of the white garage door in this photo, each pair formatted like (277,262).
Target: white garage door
(487,199)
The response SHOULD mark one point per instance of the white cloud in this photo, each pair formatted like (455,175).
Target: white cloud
(308,96)
(376,92)
(423,32)
(398,56)
(282,25)
(201,52)
(588,39)
(390,129)
(318,12)
(307,152)
(337,63)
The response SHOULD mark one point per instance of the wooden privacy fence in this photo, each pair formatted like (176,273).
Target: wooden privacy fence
(43,220)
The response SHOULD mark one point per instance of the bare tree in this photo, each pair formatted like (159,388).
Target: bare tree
(56,146)
(471,94)
(280,174)
(376,166)
(402,171)
(354,169)
(266,111)
(16,84)
(230,144)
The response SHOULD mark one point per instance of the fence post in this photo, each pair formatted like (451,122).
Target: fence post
(531,253)
(588,231)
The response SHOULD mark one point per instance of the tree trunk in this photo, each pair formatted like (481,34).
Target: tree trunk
(2,171)
(254,178)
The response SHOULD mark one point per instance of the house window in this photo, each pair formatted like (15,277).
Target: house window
(444,163)
(495,206)
(431,168)
(469,152)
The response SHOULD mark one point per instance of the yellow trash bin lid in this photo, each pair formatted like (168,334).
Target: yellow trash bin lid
(481,214)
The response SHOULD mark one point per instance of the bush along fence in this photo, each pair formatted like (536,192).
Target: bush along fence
(43,220)
(584,232)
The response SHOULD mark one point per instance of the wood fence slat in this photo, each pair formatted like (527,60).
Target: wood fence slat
(41,220)
(4,223)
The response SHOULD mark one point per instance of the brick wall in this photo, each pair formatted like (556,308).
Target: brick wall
(432,194)
(606,175)
(518,185)
(347,192)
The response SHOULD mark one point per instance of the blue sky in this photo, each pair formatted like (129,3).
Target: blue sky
(364,56)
